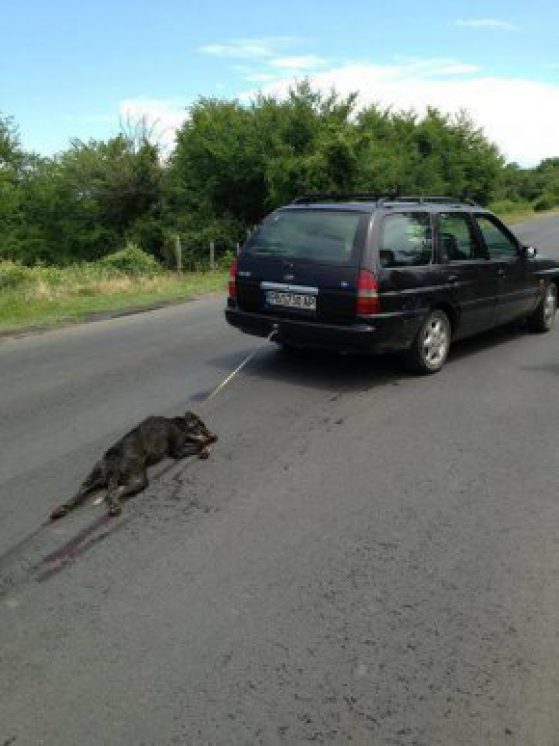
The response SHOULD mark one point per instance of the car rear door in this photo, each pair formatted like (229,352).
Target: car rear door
(470,278)
(303,264)
(405,255)
(518,287)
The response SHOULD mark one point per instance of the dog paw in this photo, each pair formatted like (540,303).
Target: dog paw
(115,510)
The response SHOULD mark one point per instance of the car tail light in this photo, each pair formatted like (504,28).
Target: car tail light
(368,301)
(233,281)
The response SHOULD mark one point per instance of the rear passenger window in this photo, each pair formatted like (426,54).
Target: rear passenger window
(456,240)
(499,245)
(406,240)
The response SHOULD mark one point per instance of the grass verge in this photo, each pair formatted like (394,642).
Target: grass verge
(520,216)
(47,298)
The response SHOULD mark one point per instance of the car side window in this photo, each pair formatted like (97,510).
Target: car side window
(455,238)
(499,244)
(406,240)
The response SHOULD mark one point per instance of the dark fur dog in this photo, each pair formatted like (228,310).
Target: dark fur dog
(122,470)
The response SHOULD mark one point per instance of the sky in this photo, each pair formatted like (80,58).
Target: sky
(78,69)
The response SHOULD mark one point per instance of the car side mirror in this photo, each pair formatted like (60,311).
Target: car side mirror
(530,252)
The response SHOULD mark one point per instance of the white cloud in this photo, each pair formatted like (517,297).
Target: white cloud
(302,62)
(266,56)
(258,48)
(165,116)
(518,114)
(457,69)
(256,77)
(486,23)
(432,66)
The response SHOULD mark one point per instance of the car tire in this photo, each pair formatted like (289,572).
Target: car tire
(543,318)
(431,345)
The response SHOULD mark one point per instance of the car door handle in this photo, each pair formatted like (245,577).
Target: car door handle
(501,272)
(453,278)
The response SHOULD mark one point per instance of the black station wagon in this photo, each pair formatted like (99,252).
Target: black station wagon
(358,273)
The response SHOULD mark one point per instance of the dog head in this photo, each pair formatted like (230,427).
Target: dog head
(197,431)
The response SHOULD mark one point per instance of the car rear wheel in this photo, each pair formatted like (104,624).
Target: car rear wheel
(543,318)
(430,348)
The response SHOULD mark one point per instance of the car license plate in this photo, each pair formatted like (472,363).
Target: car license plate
(291,300)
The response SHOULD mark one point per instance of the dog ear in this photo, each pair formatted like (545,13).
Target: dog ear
(190,416)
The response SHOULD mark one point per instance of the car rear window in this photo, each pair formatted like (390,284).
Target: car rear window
(321,236)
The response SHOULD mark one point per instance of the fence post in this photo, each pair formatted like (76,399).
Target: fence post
(178,253)
(212,255)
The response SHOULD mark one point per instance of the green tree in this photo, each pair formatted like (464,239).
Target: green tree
(109,186)
(436,154)
(310,143)
(218,165)
(86,202)
(232,163)
(11,162)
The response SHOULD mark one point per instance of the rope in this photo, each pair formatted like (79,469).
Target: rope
(238,369)
(100,498)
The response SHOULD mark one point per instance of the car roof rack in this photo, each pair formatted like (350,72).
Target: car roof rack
(306,199)
(381,199)
(428,199)
(420,198)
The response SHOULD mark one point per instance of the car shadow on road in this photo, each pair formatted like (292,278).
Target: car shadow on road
(334,372)
(329,371)
(494,338)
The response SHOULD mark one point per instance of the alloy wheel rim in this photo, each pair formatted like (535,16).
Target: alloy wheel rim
(435,342)
(550,305)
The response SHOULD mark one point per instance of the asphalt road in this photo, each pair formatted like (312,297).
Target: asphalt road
(366,557)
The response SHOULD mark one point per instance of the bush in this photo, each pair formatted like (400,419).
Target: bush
(14,275)
(507,206)
(131,260)
(546,202)
(226,259)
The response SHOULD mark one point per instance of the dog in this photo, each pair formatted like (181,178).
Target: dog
(122,470)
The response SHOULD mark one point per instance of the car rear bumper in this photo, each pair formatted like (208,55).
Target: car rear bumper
(383,333)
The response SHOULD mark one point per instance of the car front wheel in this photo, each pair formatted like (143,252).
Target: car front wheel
(543,318)
(430,348)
